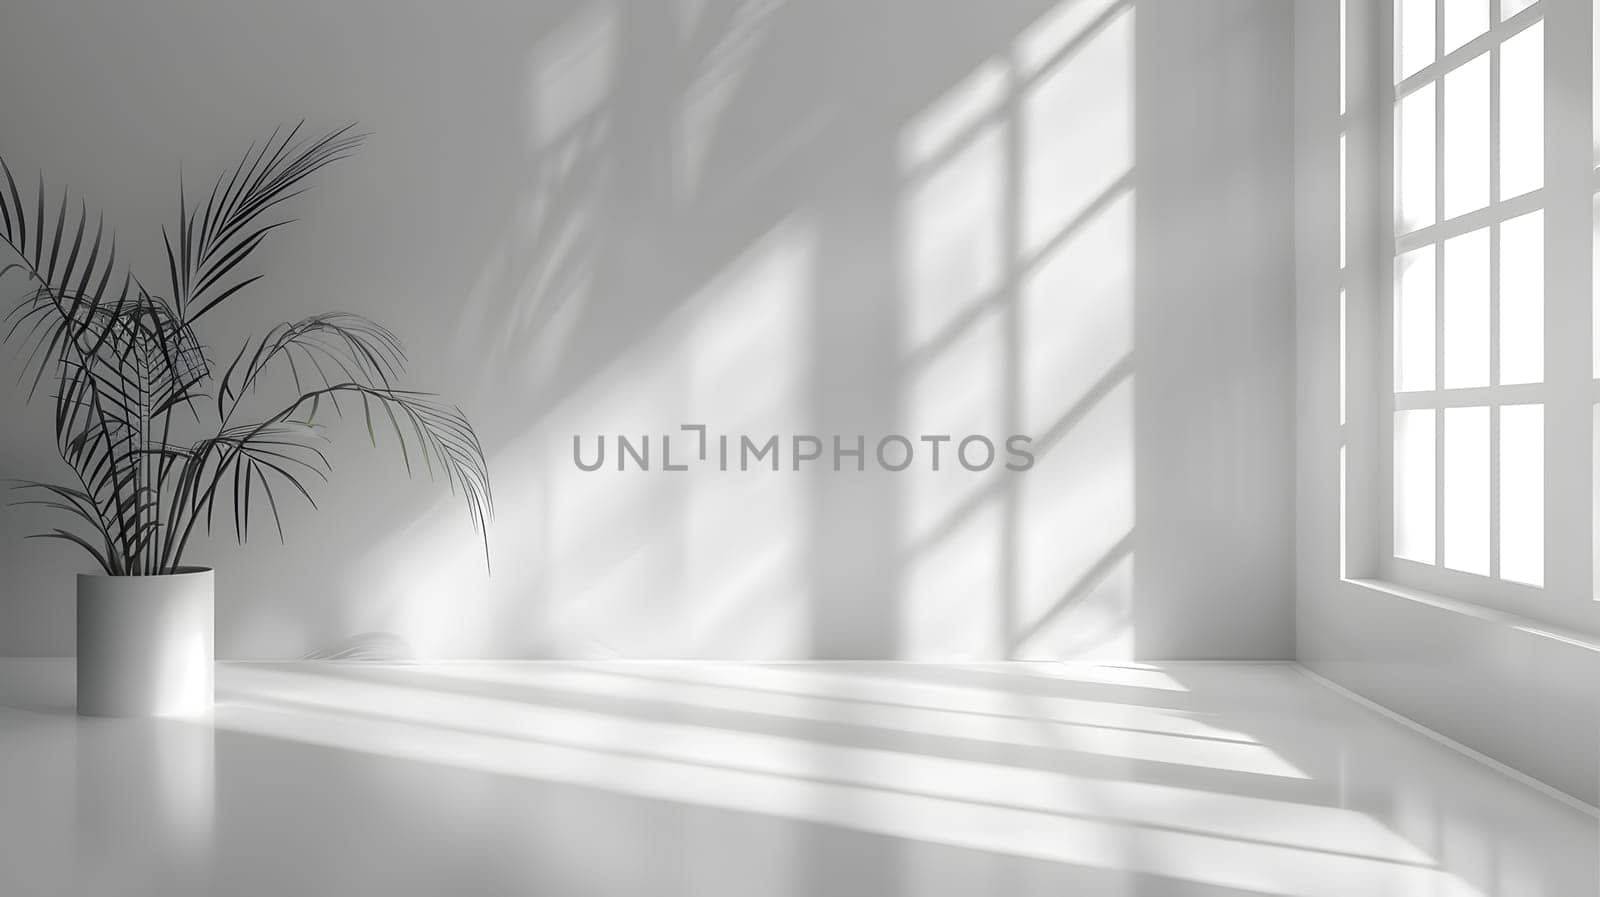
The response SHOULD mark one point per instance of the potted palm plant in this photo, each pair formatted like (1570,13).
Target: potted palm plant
(155,431)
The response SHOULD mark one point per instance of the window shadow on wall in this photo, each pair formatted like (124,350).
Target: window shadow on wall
(756,217)
(932,242)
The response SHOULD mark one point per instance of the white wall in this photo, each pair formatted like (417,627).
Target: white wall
(1070,220)
(1519,690)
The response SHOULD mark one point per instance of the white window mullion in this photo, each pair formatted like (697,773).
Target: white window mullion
(1512,394)
(1494,366)
(1440,204)
(1370,123)
(1494,491)
(1490,418)
(1568,413)
(1494,299)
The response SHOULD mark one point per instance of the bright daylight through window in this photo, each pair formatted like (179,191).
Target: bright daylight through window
(1469,379)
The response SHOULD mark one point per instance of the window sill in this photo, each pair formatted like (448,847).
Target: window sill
(1487,614)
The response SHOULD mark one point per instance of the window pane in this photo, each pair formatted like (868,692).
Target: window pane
(1344,52)
(1466,137)
(1463,21)
(1413,321)
(1344,352)
(1522,112)
(1466,489)
(1414,141)
(1413,36)
(1594,499)
(1509,8)
(1522,299)
(1344,204)
(1344,516)
(1594,99)
(1522,494)
(1466,310)
(1413,484)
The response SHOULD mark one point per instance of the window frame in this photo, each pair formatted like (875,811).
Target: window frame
(1367,179)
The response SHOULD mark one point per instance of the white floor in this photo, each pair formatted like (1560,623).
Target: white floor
(698,779)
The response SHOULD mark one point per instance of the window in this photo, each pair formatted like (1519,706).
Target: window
(1467,143)
(1469,385)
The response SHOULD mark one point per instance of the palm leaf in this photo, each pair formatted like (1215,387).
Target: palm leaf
(216,237)
(123,359)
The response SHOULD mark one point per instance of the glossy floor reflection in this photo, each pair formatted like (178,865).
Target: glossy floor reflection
(699,779)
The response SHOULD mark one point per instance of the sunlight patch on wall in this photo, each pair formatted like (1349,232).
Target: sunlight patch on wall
(706,557)
(1077,315)
(1074,563)
(954,117)
(953,255)
(957,393)
(1077,131)
(1095,621)
(1062,26)
(1018,320)
(949,603)
(1076,524)
(637,563)
(953,341)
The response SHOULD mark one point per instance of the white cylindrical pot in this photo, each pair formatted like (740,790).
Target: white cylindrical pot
(145,644)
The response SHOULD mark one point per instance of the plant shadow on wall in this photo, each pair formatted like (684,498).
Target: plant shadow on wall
(728,234)
(154,430)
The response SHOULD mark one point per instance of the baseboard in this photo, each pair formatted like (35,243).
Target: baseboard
(1458,747)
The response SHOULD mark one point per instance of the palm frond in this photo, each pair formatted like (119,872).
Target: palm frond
(216,236)
(354,348)
(78,504)
(106,562)
(122,360)
(243,456)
